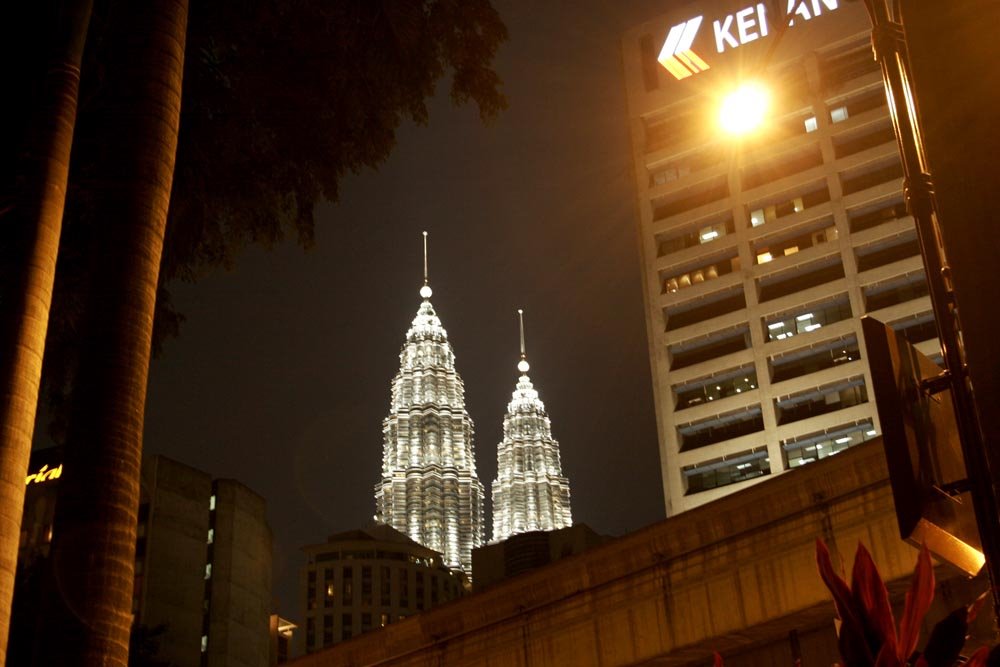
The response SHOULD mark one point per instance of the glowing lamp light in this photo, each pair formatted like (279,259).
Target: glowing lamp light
(744,109)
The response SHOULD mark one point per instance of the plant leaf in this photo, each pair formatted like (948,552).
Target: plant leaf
(976,605)
(887,657)
(918,601)
(978,658)
(871,600)
(851,638)
(947,639)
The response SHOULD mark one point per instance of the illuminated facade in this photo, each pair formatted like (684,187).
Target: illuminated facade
(530,492)
(363,580)
(429,489)
(761,255)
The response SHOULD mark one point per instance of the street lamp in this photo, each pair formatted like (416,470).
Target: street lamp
(889,46)
(743,110)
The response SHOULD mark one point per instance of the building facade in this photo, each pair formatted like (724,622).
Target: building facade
(361,580)
(202,591)
(530,492)
(760,255)
(429,489)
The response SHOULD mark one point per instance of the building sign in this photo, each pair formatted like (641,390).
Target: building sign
(730,32)
(44,475)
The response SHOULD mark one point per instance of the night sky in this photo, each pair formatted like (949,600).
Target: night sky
(280,377)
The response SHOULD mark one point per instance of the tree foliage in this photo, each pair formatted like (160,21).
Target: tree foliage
(282,99)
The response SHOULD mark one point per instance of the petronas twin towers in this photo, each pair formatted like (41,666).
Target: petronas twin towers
(429,489)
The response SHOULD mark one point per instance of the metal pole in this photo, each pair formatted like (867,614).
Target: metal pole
(889,45)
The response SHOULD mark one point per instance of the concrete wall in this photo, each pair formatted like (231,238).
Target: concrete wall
(176,552)
(240,602)
(737,576)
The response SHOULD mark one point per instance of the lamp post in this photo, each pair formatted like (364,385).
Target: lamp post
(889,47)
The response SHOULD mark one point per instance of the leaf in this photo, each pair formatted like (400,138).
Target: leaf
(851,641)
(918,601)
(871,600)
(978,658)
(947,639)
(887,657)
(976,605)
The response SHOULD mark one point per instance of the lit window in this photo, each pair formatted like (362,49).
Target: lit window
(204,643)
(810,124)
(757,217)
(797,205)
(208,570)
(764,258)
(211,535)
(211,503)
(838,115)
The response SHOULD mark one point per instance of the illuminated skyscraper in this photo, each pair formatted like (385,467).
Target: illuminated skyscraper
(530,492)
(429,489)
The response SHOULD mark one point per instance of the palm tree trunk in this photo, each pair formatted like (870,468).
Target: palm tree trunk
(94,537)
(43,171)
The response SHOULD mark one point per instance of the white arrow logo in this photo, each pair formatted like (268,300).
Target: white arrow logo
(676,54)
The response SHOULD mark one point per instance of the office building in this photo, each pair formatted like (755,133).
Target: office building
(530,492)
(202,590)
(429,489)
(361,580)
(760,254)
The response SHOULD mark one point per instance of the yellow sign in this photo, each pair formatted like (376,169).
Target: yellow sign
(44,475)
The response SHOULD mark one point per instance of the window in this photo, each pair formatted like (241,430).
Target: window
(810,124)
(211,503)
(723,471)
(757,217)
(404,588)
(813,359)
(384,619)
(327,630)
(348,586)
(714,388)
(211,535)
(385,586)
(346,626)
(208,571)
(806,449)
(204,643)
(834,396)
(720,427)
(366,622)
(366,585)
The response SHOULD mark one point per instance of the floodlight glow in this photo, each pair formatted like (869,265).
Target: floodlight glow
(744,109)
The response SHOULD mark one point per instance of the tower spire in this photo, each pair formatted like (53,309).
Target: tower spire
(425,291)
(523,364)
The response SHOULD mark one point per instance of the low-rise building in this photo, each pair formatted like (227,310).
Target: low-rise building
(364,579)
